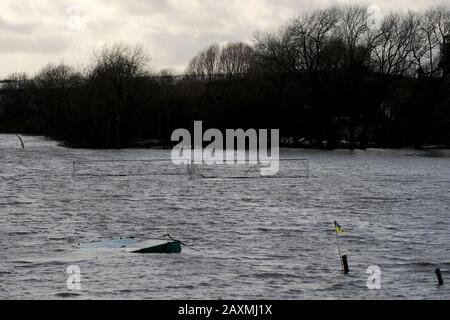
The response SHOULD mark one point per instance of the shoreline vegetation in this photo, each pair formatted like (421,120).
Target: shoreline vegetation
(338,78)
(159,145)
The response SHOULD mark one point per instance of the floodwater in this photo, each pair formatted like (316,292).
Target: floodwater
(254,238)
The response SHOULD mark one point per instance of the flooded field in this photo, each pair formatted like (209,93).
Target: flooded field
(256,238)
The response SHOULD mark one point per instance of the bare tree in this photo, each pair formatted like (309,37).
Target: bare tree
(235,59)
(205,64)
(358,37)
(16,80)
(210,60)
(117,80)
(59,76)
(121,61)
(299,46)
(395,44)
(434,27)
(195,67)
(15,98)
(231,60)
(54,87)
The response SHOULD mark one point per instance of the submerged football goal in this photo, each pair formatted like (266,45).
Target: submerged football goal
(287,168)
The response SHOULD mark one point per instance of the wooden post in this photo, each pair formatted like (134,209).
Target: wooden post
(439,276)
(307,169)
(345,263)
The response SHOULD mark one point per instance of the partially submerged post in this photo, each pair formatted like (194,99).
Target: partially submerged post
(345,263)
(307,168)
(439,276)
(21,141)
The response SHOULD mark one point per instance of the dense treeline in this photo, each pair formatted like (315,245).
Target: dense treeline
(339,77)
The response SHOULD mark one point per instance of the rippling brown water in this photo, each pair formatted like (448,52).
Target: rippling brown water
(258,238)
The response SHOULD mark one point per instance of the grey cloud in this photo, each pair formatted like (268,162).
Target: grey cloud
(174,49)
(16,27)
(203,13)
(38,45)
(142,7)
(100,27)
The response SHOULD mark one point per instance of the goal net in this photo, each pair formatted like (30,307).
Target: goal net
(286,168)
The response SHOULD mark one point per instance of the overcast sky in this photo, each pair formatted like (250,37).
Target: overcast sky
(34,33)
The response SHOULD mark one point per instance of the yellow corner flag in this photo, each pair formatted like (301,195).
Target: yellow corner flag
(338,227)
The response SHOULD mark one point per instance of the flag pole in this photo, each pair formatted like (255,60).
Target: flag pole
(339,247)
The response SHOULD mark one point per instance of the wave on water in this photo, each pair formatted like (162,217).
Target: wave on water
(67,294)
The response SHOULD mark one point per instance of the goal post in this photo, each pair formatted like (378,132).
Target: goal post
(286,168)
